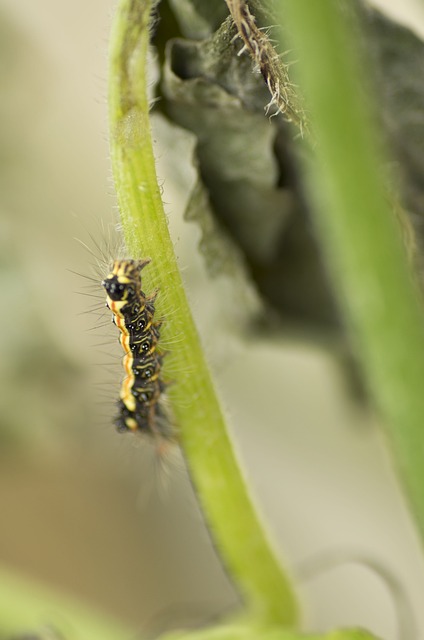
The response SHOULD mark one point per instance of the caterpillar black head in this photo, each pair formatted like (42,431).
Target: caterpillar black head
(123,283)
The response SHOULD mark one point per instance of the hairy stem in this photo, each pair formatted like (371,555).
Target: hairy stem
(215,472)
(274,70)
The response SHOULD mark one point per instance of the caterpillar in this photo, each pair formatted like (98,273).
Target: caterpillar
(139,406)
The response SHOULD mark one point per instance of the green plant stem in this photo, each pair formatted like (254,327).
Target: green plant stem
(26,607)
(358,231)
(221,489)
(240,632)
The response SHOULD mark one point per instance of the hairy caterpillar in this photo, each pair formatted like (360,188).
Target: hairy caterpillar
(140,407)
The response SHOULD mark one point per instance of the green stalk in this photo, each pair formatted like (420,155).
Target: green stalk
(359,232)
(26,607)
(215,472)
(240,632)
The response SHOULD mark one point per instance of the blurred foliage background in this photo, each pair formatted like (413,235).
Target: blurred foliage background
(80,507)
